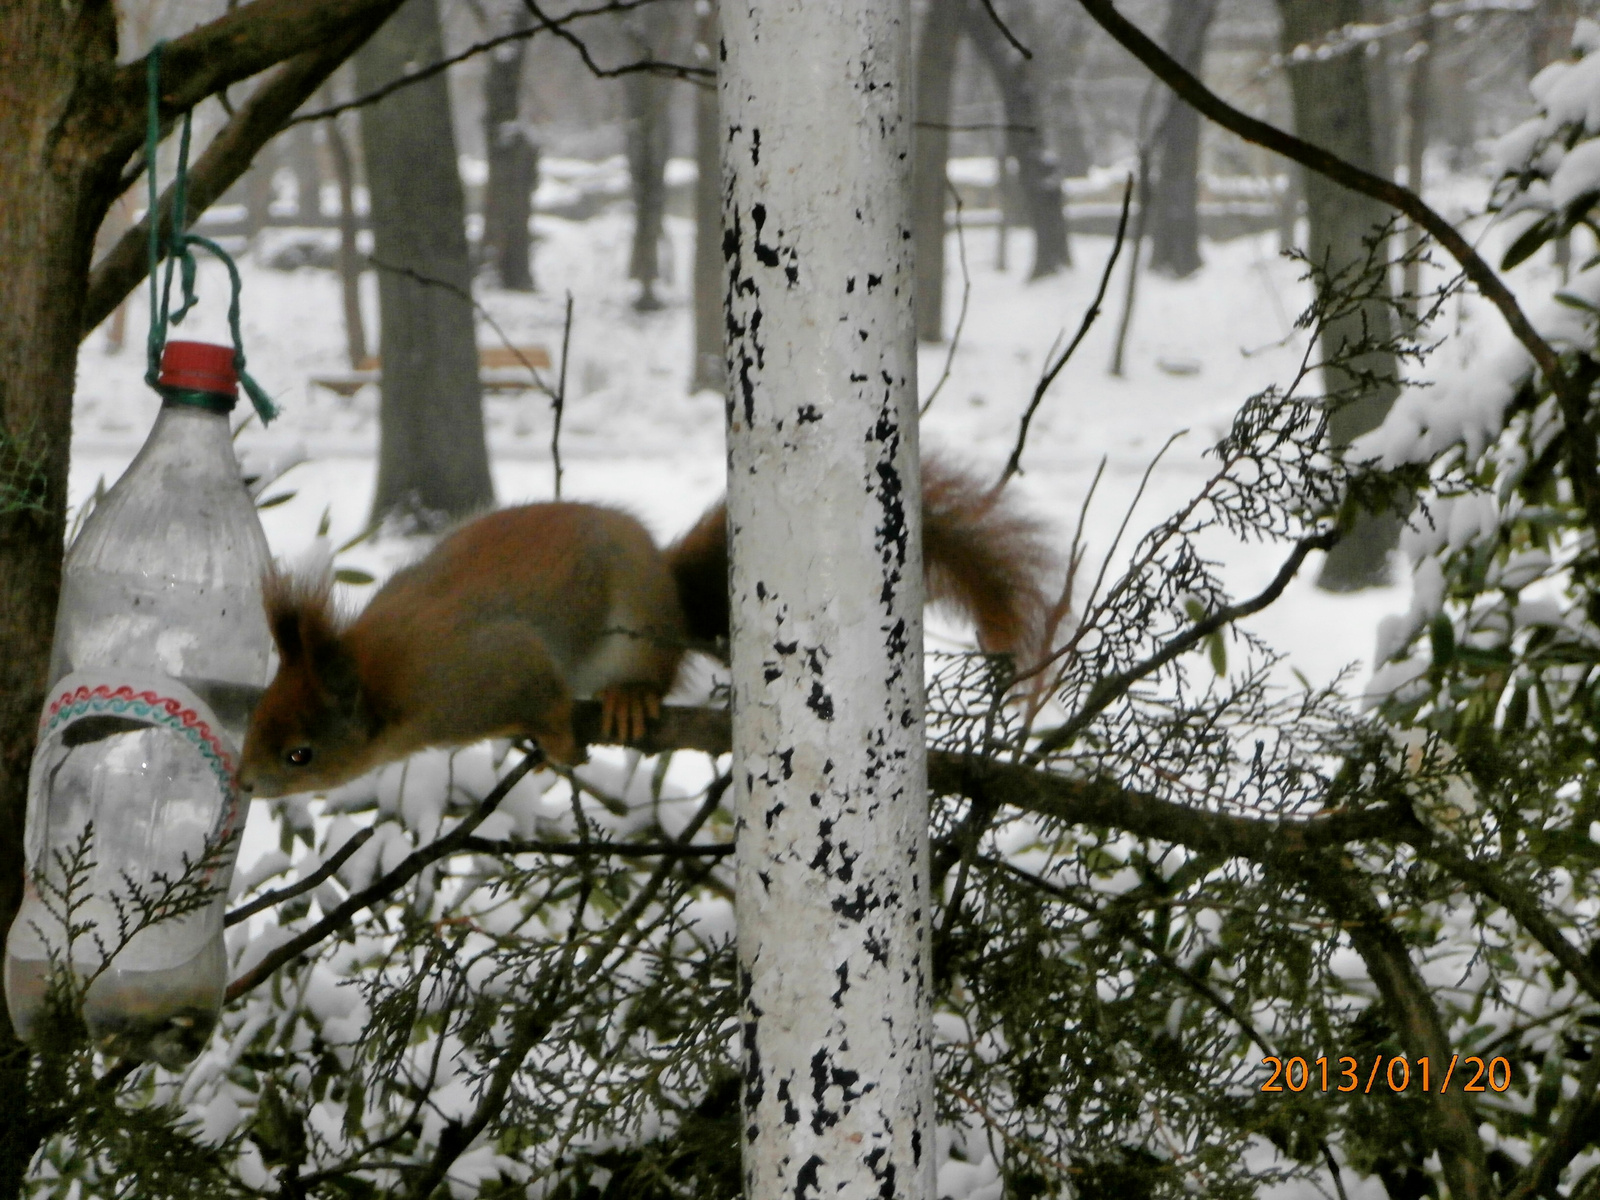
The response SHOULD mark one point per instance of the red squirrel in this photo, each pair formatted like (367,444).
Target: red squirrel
(519,612)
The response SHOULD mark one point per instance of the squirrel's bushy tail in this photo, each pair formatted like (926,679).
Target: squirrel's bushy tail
(980,555)
(988,560)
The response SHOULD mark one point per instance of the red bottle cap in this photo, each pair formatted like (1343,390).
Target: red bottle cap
(199,367)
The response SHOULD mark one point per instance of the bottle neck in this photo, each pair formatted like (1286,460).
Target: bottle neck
(211,402)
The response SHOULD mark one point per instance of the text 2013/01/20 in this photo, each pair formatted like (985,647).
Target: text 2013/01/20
(1296,1074)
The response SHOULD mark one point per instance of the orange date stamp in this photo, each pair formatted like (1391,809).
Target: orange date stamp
(1344,1074)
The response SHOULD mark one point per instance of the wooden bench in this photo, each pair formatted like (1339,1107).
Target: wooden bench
(500,369)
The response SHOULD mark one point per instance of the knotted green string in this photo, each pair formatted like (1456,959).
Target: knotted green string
(178,246)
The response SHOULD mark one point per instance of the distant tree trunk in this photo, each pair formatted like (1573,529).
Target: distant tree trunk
(1038,173)
(1005,188)
(1289,207)
(709,369)
(936,62)
(355,330)
(1384,113)
(1550,33)
(260,188)
(118,219)
(301,151)
(1175,194)
(824,515)
(1456,99)
(513,167)
(1419,86)
(432,462)
(649,132)
(1072,141)
(1331,109)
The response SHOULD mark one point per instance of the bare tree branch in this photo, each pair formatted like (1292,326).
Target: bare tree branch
(236,46)
(274,898)
(227,158)
(1108,689)
(383,888)
(1014,463)
(1582,450)
(1005,30)
(1410,1006)
(647,65)
(472,51)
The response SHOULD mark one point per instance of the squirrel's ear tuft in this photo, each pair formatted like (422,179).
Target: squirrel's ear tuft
(298,606)
(328,661)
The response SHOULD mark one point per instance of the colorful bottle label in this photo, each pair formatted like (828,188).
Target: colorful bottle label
(140,698)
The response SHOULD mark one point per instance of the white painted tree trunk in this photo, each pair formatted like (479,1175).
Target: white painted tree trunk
(825,514)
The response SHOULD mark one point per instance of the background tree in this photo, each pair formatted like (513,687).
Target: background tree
(1175,193)
(513,165)
(648,99)
(1331,110)
(708,370)
(1027,136)
(433,465)
(937,41)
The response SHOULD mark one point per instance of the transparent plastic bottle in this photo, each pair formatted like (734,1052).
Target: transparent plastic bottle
(161,649)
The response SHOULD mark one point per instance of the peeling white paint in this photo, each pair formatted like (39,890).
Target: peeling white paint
(827,600)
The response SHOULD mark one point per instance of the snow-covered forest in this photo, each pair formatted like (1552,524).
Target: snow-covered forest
(1275,872)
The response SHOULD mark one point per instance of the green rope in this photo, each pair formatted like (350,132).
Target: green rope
(178,250)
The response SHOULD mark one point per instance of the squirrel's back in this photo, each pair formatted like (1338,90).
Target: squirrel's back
(981,556)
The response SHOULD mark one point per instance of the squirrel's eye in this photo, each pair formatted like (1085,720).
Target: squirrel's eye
(298,757)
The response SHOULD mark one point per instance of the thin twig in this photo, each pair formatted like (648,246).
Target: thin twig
(500,846)
(1112,686)
(1131,292)
(961,319)
(988,7)
(1014,464)
(558,398)
(472,51)
(477,306)
(1127,517)
(648,65)
(982,127)
(385,887)
(274,898)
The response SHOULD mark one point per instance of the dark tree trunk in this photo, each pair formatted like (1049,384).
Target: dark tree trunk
(513,168)
(355,330)
(53,195)
(709,370)
(649,133)
(936,61)
(432,462)
(1331,109)
(1038,173)
(1175,196)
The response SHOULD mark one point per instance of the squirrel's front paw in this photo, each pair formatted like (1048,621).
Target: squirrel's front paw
(625,709)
